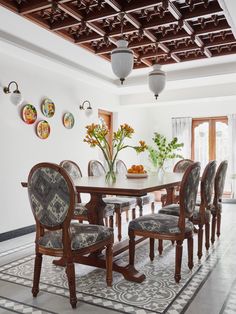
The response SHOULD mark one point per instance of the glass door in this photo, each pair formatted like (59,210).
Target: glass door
(210,141)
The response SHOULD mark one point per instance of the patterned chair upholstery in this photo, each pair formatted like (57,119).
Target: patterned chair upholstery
(202,214)
(168,227)
(121,169)
(216,209)
(122,204)
(180,167)
(52,198)
(81,212)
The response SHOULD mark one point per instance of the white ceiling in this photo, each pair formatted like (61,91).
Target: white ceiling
(28,40)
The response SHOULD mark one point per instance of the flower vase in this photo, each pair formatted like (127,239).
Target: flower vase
(111,174)
(160,170)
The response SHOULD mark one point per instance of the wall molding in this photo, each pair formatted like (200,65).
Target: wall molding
(16,233)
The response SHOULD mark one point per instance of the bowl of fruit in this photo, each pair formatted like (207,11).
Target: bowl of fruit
(136,171)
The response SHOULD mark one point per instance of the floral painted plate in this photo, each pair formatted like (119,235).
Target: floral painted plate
(43,129)
(48,108)
(68,120)
(29,114)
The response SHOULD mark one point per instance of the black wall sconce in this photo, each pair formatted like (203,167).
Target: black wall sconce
(86,105)
(16,96)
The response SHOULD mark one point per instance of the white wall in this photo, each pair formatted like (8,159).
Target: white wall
(21,148)
(160,116)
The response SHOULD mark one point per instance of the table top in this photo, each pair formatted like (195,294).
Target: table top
(126,186)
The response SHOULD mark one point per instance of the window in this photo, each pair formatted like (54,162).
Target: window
(210,141)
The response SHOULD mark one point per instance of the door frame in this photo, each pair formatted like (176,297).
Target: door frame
(212,133)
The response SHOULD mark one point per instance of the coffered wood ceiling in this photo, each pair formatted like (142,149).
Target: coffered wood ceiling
(172,31)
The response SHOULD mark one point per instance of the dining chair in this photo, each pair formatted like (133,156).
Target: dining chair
(121,169)
(202,213)
(81,212)
(169,227)
(52,198)
(122,204)
(216,209)
(180,167)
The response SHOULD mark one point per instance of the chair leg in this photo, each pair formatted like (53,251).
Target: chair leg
(213,228)
(151,253)
(140,210)
(111,222)
(80,221)
(207,235)
(37,272)
(70,272)
(127,215)
(173,242)
(200,235)
(133,213)
(178,260)
(109,260)
(131,247)
(190,252)
(153,207)
(160,246)
(106,221)
(119,226)
(218,224)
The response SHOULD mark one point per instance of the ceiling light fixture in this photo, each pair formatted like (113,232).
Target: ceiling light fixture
(157,78)
(122,59)
(16,96)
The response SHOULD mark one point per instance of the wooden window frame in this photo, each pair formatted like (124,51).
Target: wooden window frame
(212,134)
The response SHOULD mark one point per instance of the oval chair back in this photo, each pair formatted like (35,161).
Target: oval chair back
(96,169)
(182,165)
(207,183)
(73,171)
(188,192)
(52,196)
(220,180)
(121,167)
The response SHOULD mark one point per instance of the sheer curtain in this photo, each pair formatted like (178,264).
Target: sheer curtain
(182,129)
(232,147)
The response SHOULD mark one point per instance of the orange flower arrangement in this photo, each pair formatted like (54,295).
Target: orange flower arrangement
(96,136)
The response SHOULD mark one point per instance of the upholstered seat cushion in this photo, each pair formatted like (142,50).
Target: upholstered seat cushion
(81,210)
(82,235)
(159,223)
(172,209)
(120,202)
(196,214)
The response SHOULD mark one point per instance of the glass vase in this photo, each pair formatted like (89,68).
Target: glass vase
(111,174)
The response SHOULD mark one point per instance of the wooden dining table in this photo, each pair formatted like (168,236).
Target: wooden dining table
(97,187)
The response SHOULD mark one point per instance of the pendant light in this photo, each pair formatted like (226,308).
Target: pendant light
(157,78)
(122,59)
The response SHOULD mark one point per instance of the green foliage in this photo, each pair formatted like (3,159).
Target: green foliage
(163,150)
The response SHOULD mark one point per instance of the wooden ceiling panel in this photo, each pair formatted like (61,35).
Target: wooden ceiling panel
(183,30)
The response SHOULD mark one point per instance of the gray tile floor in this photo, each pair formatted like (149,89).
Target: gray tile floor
(210,298)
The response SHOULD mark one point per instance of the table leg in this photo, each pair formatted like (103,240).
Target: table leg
(170,196)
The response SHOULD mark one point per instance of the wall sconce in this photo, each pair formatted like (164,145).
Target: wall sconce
(89,109)
(16,97)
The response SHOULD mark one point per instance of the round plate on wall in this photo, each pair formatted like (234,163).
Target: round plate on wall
(48,108)
(68,120)
(29,114)
(43,129)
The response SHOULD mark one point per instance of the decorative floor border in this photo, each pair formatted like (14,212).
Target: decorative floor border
(17,249)
(229,306)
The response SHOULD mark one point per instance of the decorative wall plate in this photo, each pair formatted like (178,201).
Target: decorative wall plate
(43,129)
(68,120)
(48,108)
(29,114)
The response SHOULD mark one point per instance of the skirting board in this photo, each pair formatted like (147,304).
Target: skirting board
(16,233)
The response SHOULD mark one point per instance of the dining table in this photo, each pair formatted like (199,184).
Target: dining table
(98,187)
